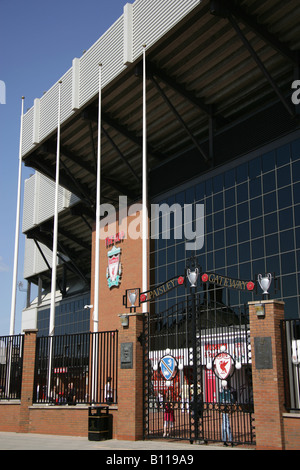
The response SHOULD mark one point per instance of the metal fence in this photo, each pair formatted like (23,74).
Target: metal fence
(11,366)
(290,330)
(186,341)
(78,368)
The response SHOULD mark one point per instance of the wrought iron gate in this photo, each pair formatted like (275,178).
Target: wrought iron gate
(194,404)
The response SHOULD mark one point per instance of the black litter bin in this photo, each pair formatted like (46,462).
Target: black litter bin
(100,423)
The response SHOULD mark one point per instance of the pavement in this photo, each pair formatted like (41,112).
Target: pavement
(19,441)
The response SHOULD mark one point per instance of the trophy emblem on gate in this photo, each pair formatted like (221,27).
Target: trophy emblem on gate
(264,282)
(114,268)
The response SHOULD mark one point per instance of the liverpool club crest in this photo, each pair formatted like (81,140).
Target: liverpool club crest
(114,268)
(223,365)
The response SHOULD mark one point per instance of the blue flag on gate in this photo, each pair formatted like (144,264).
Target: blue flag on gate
(168,366)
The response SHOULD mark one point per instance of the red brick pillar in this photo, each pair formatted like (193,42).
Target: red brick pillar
(267,374)
(27,378)
(130,381)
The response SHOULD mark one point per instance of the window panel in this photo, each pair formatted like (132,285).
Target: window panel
(287,240)
(218,183)
(230,216)
(243,212)
(258,267)
(256,207)
(245,271)
(242,192)
(219,258)
(296,193)
(268,161)
(297,215)
(231,255)
(284,176)
(208,205)
(244,252)
(257,248)
(283,155)
(229,178)
(271,224)
(269,182)
(295,147)
(218,220)
(284,197)
(218,202)
(243,232)
(272,246)
(200,191)
(231,236)
(273,264)
(288,264)
(296,171)
(270,203)
(230,197)
(286,219)
(289,286)
(255,187)
(242,173)
(254,168)
(257,227)
(219,239)
(233,272)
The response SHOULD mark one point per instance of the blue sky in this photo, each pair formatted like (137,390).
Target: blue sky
(38,41)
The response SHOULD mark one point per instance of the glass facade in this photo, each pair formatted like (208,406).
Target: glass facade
(252,226)
(70,316)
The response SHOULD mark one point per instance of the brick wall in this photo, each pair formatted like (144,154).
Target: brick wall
(111,300)
(129,423)
(268,387)
(27,378)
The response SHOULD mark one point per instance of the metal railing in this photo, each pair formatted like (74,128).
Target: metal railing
(11,366)
(82,369)
(290,331)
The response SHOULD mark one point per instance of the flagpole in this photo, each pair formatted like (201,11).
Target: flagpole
(54,249)
(16,252)
(145,188)
(16,255)
(55,228)
(98,200)
(97,244)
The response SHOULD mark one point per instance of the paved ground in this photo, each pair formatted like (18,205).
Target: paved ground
(17,441)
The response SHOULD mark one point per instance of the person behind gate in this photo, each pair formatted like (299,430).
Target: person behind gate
(168,415)
(225,398)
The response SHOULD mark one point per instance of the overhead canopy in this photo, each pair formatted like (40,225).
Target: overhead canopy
(219,86)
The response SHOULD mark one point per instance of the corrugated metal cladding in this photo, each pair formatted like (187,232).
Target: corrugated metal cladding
(39,196)
(152,19)
(33,260)
(100,52)
(27,142)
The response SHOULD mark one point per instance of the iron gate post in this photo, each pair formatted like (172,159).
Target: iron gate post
(192,271)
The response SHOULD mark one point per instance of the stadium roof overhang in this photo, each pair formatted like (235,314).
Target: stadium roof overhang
(219,86)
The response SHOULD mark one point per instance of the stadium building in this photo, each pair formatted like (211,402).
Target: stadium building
(210,135)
